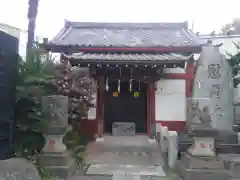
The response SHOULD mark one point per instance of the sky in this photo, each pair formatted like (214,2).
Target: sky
(208,15)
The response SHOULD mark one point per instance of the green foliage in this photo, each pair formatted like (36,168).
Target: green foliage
(38,78)
(234,62)
(232,27)
(35,80)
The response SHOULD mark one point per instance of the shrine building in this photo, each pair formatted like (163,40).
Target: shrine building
(144,71)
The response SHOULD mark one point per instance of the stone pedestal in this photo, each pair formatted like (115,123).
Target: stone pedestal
(55,159)
(201,162)
(199,168)
(202,146)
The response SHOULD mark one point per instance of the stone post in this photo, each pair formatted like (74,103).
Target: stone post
(172,148)
(158,132)
(163,139)
(55,158)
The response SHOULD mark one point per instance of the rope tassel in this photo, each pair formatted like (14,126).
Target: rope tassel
(119,86)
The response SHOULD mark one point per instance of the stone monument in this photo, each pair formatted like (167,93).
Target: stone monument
(18,169)
(55,157)
(200,161)
(8,78)
(213,80)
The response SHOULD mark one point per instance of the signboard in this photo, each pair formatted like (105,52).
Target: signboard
(123,129)
(8,76)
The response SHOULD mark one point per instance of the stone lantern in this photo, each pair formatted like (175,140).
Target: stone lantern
(55,157)
(200,161)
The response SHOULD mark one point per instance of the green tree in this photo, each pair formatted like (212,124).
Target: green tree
(35,79)
(234,61)
(32,15)
(232,27)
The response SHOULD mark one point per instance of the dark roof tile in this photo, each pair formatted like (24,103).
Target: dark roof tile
(129,56)
(126,35)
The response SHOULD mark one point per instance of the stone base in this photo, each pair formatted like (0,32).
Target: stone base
(232,163)
(202,162)
(201,174)
(59,165)
(199,168)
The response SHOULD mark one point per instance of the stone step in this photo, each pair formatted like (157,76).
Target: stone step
(122,172)
(134,158)
(127,148)
(118,177)
(124,153)
(113,169)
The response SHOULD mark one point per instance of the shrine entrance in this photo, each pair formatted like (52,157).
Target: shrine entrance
(126,101)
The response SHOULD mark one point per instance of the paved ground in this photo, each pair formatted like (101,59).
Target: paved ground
(124,158)
(131,150)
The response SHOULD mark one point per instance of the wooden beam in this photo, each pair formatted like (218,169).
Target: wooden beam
(100,113)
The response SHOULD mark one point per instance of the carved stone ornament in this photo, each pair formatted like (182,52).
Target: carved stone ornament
(197,117)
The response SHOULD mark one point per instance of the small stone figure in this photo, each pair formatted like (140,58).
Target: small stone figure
(198,118)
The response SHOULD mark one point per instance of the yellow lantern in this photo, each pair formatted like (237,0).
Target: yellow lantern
(115,94)
(136,94)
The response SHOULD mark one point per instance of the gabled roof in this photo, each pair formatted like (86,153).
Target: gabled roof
(110,58)
(126,35)
(140,57)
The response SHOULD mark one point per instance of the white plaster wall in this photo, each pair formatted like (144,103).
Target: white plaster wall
(174,70)
(170,100)
(13,31)
(92,112)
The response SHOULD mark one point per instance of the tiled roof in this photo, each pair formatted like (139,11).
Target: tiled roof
(129,57)
(126,35)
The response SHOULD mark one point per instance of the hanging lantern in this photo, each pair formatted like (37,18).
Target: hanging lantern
(115,94)
(130,85)
(107,86)
(119,85)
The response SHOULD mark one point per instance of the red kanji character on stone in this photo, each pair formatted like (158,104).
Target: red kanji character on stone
(202,145)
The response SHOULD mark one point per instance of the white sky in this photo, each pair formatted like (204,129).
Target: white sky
(208,15)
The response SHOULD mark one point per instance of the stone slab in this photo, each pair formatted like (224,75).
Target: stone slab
(202,174)
(227,137)
(125,177)
(57,165)
(202,162)
(110,177)
(228,148)
(51,159)
(232,163)
(62,171)
(204,132)
(136,170)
